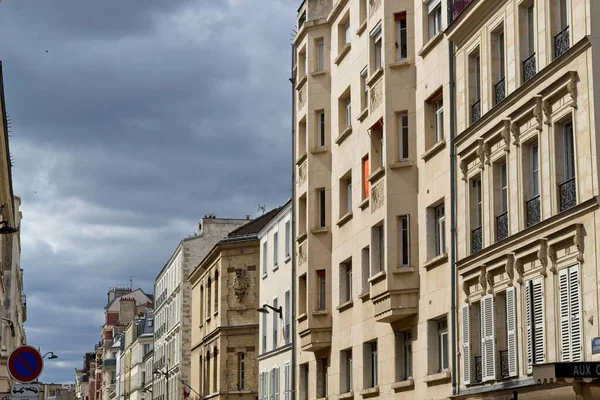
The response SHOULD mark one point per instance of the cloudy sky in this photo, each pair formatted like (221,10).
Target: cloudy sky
(130,121)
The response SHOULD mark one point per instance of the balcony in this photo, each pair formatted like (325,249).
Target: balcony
(567,192)
(529,70)
(532,208)
(504,364)
(110,362)
(502,226)
(500,91)
(561,42)
(455,8)
(315,338)
(475,111)
(476,240)
(395,305)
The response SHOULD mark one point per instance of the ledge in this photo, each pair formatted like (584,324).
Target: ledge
(399,64)
(430,44)
(301,237)
(403,385)
(370,392)
(320,150)
(403,270)
(301,82)
(318,73)
(275,268)
(401,164)
(318,313)
(374,76)
(345,50)
(378,173)
(301,159)
(318,231)
(345,306)
(433,150)
(345,218)
(347,395)
(343,135)
(436,379)
(363,114)
(377,276)
(301,317)
(436,260)
(288,258)
(364,204)
(243,391)
(364,296)
(362,27)
(322,398)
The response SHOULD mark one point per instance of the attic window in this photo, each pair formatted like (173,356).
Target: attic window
(150,323)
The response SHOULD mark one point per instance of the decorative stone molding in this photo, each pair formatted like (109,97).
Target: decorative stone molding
(377,197)
(552,258)
(464,168)
(374,6)
(489,277)
(505,132)
(481,152)
(466,290)
(510,268)
(519,269)
(487,150)
(514,129)
(542,256)
(578,242)
(538,113)
(376,95)
(241,284)
(301,97)
(547,108)
(482,280)
(572,89)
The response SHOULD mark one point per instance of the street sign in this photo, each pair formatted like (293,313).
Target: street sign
(25,364)
(22,391)
(596,345)
(4,396)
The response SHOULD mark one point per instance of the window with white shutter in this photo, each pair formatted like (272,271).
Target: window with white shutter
(511,330)
(432,347)
(276,376)
(488,344)
(466,344)
(534,320)
(286,378)
(570,314)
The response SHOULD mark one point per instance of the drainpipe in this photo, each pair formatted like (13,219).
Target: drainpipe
(453,285)
(293,294)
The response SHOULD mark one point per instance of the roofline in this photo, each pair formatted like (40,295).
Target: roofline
(179,245)
(302,4)
(275,220)
(5,126)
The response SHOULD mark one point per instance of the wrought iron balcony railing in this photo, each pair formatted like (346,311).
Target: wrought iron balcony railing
(529,69)
(567,192)
(500,90)
(455,8)
(475,111)
(504,363)
(476,240)
(561,42)
(532,207)
(478,369)
(502,226)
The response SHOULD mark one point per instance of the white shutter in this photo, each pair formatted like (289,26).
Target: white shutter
(528,325)
(433,364)
(277,383)
(466,344)
(538,320)
(399,344)
(563,299)
(488,345)
(511,329)
(286,379)
(574,290)
(570,314)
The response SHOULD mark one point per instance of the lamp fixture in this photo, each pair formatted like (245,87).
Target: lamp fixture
(265,310)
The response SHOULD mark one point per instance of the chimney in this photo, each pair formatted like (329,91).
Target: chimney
(247,216)
(126,309)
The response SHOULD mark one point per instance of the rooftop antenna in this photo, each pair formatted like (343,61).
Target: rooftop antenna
(130,281)
(262,208)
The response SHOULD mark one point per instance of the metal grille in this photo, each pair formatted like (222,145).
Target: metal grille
(567,194)
(477,368)
(500,90)
(476,240)
(533,211)
(502,226)
(561,42)
(504,363)
(529,70)
(455,8)
(476,111)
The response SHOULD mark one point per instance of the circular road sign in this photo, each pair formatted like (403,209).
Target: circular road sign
(25,364)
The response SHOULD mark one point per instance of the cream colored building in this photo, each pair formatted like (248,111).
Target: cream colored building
(527,198)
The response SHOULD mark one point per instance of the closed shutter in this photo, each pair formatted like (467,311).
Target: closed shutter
(511,331)
(570,314)
(277,383)
(534,313)
(433,364)
(466,344)
(430,233)
(488,345)
(400,356)
(286,379)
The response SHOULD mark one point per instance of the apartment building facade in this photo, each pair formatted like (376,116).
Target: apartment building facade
(173,309)
(527,190)
(275,306)
(372,186)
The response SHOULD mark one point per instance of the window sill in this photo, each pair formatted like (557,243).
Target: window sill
(242,391)
(301,82)
(301,317)
(364,204)
(399,64)
(345,218)
(343,135)
(318,231)
(215,313)
(288,258)
(207,320)
(275,268)
(301,237)
(345,50)
(370,392)
(430,44)
(301,159)
(319,150)
(403,270)
(318,73)
(436,260)
(362,27)
(345,306)
(378,173)
(264,276)
(403,385)
(374,76)
(436,379)
(363,114)
(318,313)
(433,150)
(347,395)
(401,164)
(376,277)
(364,296)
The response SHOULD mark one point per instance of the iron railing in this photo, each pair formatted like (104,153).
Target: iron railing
(567,194)
(476,240)
(502,226)
(478,369)
(504,363)
(475,111)
(455,8)
(561,42)
(529,70)
(533,211)
(500,90)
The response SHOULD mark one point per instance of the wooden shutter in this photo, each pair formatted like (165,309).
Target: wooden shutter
(399,344)
(277,383)
(433,364)
(286,383)
(534,314)
(466,344)
(570,314)
(511,331)
(488,345)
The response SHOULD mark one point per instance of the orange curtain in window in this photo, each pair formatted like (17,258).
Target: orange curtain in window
(365,177)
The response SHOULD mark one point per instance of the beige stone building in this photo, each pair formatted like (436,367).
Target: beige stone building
(527,198)
(224,317)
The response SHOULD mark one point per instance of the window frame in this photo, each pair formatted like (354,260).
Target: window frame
(321,290)
(403,132)
(401,36)
(438,115)
(319,54)
(404,241)
(434,18)
(321,129)
(440,229)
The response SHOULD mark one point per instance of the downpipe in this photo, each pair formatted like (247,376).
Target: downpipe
(453,285)
(293,288)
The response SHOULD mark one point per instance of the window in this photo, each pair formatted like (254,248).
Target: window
(346,281)
(365,177)
(322,377)
(437,346)
(498,60)
(401,38)
(347,34)
(404,240)
(568,151)
(275,248)
(345,186)
(215,370)
(438,121)
(275,322)
(241,371)
(344,35)
(207,369)
(476,214)
(302,298)
(321,128)
(364,89)
(216,291)
(434,12)
(201,304)
(303,381)
(370,368)
(365,263)
(321,290)
(403,347)
(322,214)
(348,111)
(265,248)
(320,54)
(527,39)
(286,381)
(302,63)
(208,300)
(378,245)
(362,17)
(436,231)
(287,316)
(560,26)
(377,49)
(501,199)
(349,195)
(534,167)
(302,215)
(302,137)
(534,321)
(475,85)
(346,371)
(570,314)
(402,137)
(377,148)
(264,332)
(567,187)
(288,239)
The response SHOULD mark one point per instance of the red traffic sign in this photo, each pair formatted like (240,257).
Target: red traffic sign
(25,364)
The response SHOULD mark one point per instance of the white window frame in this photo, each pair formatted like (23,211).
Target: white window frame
(275,324)
(570,324)
(347,33)
(443,347)
(404,239)
(568,151)
(321,290)
(434,17)
(400,40)
(403,131)
(275,249)
(503,188)
(288,238)
(365,88)
(265,248)
(321,127)
(320,54)
(348,184)
(438,125)
(348,111)
(377,42)
(440,229)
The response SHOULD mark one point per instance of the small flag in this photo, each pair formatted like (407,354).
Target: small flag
(186,391)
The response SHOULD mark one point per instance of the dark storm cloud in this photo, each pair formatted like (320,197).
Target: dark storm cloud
(140,118)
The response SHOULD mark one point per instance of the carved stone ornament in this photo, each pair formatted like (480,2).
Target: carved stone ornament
(519,269)
(241,284)
(489,277)
(542,256)
(510,268)
(547,108)
(487,150)
(482,280)
(464,168)
(506,135)
(537,113)
(514,129)
(466,289)
(572,89)
(578,241)
(552,258)
(481,152)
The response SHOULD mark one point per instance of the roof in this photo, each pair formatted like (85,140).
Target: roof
(253,227)
(283,210)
